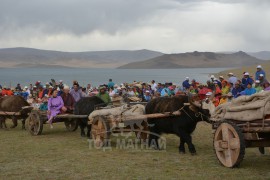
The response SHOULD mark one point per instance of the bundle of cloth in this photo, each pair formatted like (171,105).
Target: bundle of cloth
(118,112)
(244,108)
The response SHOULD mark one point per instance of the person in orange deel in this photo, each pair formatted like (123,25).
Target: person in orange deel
(211,97)
(9,92)
(40,92)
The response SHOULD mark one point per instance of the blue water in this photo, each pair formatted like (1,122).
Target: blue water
(25,76)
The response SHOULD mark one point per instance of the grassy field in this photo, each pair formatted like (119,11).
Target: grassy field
(58,154)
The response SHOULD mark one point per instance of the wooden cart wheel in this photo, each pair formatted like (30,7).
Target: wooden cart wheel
(100,131)
(71,124)
(35,124)
(229,144)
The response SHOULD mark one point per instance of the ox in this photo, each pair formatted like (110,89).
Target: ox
(182,125)
(13,104)
(86,106)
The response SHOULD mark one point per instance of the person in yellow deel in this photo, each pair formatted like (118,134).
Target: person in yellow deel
(225,98)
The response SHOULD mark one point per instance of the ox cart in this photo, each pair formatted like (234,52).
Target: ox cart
(37,118)
(104,122)
(243,123)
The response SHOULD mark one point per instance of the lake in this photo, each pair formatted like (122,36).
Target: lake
(24,76)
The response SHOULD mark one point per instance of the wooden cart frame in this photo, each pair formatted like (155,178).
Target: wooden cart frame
(38,118)
(232,137)
(18,115)
(103,126)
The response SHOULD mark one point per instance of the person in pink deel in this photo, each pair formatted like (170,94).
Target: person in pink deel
(55,104)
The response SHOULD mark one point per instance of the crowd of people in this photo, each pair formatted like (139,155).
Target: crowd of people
(56,97)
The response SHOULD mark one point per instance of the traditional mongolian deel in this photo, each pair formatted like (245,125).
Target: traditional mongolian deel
(54,106)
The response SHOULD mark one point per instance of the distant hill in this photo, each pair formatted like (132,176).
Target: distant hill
(265,55)
(28,57)
(195,60)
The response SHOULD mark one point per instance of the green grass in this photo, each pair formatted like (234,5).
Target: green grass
(58,154)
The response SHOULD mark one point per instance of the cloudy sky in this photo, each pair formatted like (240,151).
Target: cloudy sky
(169,26)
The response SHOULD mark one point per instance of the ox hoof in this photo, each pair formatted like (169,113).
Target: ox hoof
(261,149)
(182,152)
(83,134)
(193,154)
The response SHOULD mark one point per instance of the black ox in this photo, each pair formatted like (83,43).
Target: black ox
(182,125)
(86,106)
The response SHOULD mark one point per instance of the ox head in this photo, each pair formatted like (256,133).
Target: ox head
(201,111)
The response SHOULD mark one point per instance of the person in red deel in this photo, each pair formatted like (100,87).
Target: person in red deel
(9,92)
(4,91)
(203,91)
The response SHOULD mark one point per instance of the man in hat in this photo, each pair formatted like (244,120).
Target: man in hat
(246,80)
(68,100)
(147,96)
(221,78)
(186,84)
(258,72)
(103,94)
(262,79)
(232,79)
(212,77)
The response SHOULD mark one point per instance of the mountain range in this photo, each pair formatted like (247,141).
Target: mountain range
(125,59)
(194,60)
(28,57)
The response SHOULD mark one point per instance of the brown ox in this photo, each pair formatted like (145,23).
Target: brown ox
(13,104)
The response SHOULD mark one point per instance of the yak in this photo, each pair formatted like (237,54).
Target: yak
(13,104)
(86,106)
(183,125)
